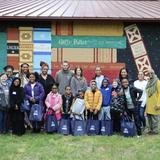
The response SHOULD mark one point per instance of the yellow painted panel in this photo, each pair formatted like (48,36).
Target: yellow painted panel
(53,28)
(104,55)
(114,55)
(26,56)
(98,28)
(25,28)
(78,55)
(54,55)
(25,36)
(25,46)
(64,28)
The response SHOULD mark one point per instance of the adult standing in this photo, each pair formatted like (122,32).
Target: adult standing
(24,77)
(141,84)
(98,77)
(16,96)
(78,82)
(132,96)
(123,73)
(8,69)
(63,77)
(46,79)
(153,101)
(24,74)
(9,72)
(4,102)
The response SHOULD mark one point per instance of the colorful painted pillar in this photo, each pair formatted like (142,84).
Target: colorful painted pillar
(138,48)
(13,47)
(42,48)
(3,50)
(26,46)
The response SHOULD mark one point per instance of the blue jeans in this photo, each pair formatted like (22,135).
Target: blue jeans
(3,121)
(141,111)
(104,113)
(135,114)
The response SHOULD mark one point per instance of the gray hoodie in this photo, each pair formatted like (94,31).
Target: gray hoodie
(63,79)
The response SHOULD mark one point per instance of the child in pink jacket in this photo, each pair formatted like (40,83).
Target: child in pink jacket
(54,102)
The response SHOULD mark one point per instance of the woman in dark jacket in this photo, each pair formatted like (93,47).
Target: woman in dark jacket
(117,105)
(16,96)
(47,82)
(131,96)
(46,79)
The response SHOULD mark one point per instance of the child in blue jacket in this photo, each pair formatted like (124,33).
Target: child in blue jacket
(106,90)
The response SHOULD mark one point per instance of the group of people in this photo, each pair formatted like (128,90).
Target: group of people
(69,96)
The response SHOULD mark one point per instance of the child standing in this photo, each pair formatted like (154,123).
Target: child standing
(78,106)
(16,97)
(117,105)
(67,99)
(54,102)
(106,90)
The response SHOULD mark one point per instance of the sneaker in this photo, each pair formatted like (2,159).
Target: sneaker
(149,132)
(154,133)
(145,130)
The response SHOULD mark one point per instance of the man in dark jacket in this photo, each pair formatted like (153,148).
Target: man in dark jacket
(132,95)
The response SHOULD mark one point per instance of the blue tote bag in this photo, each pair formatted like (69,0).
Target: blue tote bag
(51,124)
(78,127)
(25,106)
(128,128)
(106,127)
(64,126)
(93,126)
(36,113)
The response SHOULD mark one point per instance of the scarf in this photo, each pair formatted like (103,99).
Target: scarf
(152,85)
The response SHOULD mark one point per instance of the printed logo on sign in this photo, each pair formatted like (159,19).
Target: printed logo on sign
(103,129)
(92,128)
(27,102)
(52,124)
(64,127)
(125,130)
(79,128)
(35,113)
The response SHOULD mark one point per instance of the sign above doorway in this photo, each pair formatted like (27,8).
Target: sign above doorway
(118,42)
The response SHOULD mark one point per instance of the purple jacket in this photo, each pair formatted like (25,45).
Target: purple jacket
(38,92)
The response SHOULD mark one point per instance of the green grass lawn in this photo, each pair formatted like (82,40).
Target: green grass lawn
(57,147)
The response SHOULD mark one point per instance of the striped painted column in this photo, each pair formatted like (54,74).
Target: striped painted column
(13,47)
(3,50)
(42,47)
(26,46)
(138,48)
